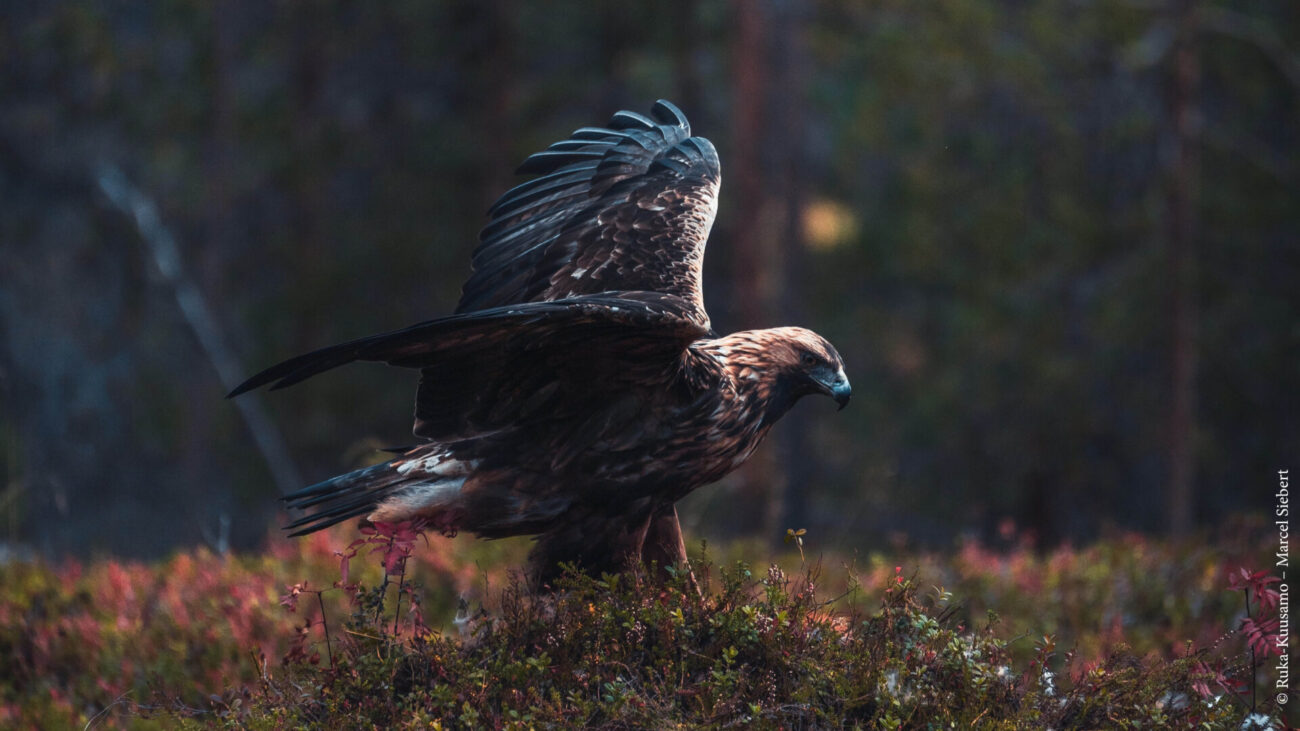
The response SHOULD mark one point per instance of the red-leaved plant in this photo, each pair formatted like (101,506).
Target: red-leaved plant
(396,542)
(1260,629)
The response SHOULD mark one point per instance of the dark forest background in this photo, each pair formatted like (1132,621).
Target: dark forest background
(1056,242)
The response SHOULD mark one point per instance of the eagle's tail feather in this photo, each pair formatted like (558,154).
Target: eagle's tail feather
(318,521)
(401,488)
(339,498)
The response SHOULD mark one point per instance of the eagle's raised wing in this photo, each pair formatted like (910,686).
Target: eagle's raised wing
(510,366)
(619,208)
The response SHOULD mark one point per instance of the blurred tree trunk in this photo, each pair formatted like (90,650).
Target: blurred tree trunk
(766,166)
(307,178)
(1181,229)
(221,146)
(497,59)
(685,44)
(789,140)
(746,163)
(207,265)
(756,490)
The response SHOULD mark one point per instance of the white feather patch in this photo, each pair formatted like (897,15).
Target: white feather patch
(436,464)
(417,498)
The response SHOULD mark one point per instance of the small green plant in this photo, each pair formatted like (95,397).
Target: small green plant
(797,536)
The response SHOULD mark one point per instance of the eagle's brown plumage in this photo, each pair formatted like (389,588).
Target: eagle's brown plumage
(579,391)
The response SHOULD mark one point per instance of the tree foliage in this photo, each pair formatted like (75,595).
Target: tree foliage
(984,204)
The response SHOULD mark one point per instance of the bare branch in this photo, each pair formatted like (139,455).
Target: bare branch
(1242,27)
(166,255)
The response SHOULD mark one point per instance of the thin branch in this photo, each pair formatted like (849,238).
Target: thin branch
(397,610)
(95,718)
(325,624)
(166,255)
(1254,663)
(1243,27)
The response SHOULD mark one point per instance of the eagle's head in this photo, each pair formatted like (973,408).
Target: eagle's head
(808,364)
(786,364)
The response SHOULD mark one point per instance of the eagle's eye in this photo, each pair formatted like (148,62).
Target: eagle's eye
(809,359)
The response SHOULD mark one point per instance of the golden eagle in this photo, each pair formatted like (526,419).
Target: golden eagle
(579,391)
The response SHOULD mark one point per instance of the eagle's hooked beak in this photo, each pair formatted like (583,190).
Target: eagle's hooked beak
(837,388)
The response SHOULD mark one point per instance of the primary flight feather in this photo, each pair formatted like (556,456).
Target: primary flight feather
(579,391)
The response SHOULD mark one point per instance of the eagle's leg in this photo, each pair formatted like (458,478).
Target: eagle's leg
(664,545)
(598,542)
(595,542)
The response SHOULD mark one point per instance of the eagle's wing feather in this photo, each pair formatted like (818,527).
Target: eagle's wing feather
(622,208)
(502,367)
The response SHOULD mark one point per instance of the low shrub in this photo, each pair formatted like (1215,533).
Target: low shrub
(307,635)
(759,651)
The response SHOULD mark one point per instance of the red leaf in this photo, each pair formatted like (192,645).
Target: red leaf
(1261,634)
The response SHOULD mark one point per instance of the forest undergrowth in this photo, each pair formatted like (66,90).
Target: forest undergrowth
(384,631)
